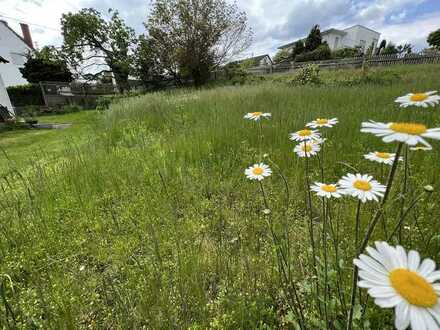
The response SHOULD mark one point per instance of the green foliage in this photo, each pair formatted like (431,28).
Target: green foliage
(90,39)
(46,64)
(283,55)
(190,38)
(390,49)
(308,74)
(434,39)
(323,52)
(24,95)
(246,64)
(298,48)
(346,52)
(313,40)
(147,66)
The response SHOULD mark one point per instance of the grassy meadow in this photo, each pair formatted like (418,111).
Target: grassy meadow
(147,220)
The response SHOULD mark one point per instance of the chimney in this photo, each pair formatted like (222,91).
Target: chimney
(26,34)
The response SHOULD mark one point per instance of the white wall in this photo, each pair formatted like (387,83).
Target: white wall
(4,97)
(360,36)
(13,49)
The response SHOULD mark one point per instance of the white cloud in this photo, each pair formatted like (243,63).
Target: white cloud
(414,32)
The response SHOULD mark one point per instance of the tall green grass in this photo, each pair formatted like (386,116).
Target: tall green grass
(151,224)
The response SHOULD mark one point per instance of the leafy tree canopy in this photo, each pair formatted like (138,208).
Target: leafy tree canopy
(314,39)
(92,43)
(434,39)
(192,37)
(46,64)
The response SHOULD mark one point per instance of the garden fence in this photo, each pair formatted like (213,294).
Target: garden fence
(61,93)
(352,62)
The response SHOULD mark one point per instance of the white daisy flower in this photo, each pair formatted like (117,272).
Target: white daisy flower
(322,122)
(409,133)
(382,157)
(419,99)
(362,187)
(257,115)
(307,149)
(326,190)
(397,279)
(305,135)
(258,172)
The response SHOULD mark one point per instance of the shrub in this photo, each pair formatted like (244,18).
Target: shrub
(346,52)
(24,95)
(323,52)
(308,74)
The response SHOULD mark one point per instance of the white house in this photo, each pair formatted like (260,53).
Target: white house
(356,35)
(4,97)
(14,49)
(256,61)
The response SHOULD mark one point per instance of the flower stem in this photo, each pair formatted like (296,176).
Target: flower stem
(310,214)
(324,247)
(370,231)
(282,263)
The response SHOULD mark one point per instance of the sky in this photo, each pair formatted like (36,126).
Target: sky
(274,22)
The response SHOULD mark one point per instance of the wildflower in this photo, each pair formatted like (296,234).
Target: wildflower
(419,99)
(362,187)
(267,211)
(322,122)
(396,279)
(257,115)
(307,149)
(305,135)
(258,172)
(326,190)
(409,133)
(382,157)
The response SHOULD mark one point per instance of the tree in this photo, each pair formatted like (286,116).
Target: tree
(434,39)
(390,49)
(46,64)
(91,43)
(283,55)
(146,65)
(298,48)
(404,49)
(192,37)
(314,39)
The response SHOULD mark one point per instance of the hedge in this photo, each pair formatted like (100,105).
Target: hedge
(24,95)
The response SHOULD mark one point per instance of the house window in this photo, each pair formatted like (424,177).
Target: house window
(362,44)
(18,59)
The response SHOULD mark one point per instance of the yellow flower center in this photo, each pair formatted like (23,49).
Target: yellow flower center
(328,188)
(362,185)
(384,155)
(258,170)
(256,114)
(322,121)
(305,132)
(408,128)
(418,97)
(307,148)
(413,287)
